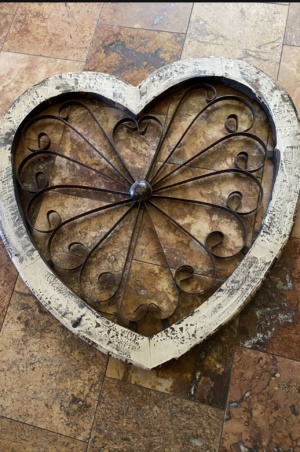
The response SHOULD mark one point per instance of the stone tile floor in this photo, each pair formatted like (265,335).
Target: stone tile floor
(239,391)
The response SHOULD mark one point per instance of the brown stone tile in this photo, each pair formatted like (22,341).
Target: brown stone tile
(108,257)
(263,404)
(8,8)
(199,221)
(292,31)
(21,286)
(5,21)
(149,285)
(132,54)
(20,72)
(202,374)
(271,320)
(58,30)
(252,33)
(52,127)
(19,437)
(8,276)
(132,419)
(160,16)
(210,127)
(133,148)
(289,73)
(49,378)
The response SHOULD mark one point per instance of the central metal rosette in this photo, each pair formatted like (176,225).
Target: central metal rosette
(166,223)
(141,191)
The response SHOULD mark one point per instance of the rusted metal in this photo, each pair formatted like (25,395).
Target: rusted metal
(142,196)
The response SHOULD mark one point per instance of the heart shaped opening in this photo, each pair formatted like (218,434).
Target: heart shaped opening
(145,217)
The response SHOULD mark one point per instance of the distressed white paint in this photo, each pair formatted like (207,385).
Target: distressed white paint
(239,287)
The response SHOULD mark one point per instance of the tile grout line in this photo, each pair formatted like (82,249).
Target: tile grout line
(11,295)
(14,15)
(285,30)
(88,51)
(43,429)
(227,398)
(145,29)
(168,394)
(42,56)
(98,404)
(291,45)
(269,353)
(187,29)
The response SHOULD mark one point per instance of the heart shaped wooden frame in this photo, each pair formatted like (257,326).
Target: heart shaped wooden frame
(235,293)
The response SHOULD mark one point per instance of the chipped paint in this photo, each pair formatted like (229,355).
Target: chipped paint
(234,294)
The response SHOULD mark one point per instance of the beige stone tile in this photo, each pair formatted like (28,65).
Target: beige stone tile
(292,31)
(5,21)
(19,437)
(8,8)
(58,30)
(263,404)
(250,32)
(289,73)
(132,419)
(8,276)
(160,16)
(202,374)
(49,378)
(132,54)
(20,72)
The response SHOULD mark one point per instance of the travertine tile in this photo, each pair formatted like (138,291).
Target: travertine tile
(160,16)
(250,32)
(19,437)
(49,378)
(292,31)
(8,8)
(289,73)
(72,145)
(132,54)
(199,221)
(263,404)
(21,287)
(209,127)
(270,322)
(20,72)
(5,21)
(8,276)
(58,30)
(202,374)
(132,419)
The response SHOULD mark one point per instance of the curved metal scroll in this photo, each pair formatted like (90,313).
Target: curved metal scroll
(156,198)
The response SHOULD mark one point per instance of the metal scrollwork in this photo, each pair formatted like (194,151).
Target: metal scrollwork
(130,199)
